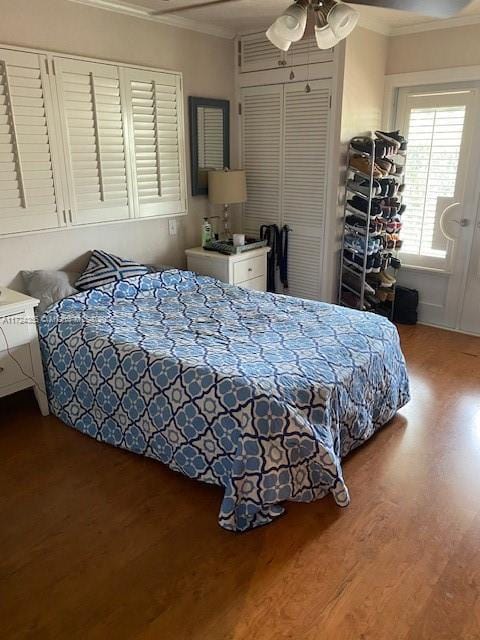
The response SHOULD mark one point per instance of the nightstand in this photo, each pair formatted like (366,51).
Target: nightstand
(20,360)
(248,269)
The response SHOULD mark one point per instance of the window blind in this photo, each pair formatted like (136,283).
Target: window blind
(154,105)
(434,144)
(28,194)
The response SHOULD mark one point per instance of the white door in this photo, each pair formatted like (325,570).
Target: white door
(441,195)
(285,132)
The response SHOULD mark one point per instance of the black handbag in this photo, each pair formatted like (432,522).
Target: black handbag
(406,306)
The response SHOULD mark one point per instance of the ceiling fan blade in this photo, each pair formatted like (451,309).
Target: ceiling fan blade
(199,5)
(434,8)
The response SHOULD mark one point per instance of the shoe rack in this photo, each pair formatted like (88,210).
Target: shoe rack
(372,223)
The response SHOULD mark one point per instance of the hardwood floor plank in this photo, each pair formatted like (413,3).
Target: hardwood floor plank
(99,543)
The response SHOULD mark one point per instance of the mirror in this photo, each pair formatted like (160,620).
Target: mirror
(209,140)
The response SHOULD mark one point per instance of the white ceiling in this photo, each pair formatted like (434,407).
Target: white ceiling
(240,16)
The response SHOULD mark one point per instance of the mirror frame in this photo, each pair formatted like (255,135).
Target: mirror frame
(194,103)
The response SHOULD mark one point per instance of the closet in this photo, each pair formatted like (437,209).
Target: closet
(285,133)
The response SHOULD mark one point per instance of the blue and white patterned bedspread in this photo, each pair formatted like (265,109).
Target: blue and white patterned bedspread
(258,393)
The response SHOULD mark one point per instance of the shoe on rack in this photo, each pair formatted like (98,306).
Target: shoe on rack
(363,185)
(363,144)
(356,259)
(382,281)
(364,165)
(393,226)
(392,136)
(386,165)
(360,204)
(377,262)
(350,299)
(382,295)
(395,263)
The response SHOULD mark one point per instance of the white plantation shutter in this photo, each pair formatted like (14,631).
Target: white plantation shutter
(262,139)
(435,139)
(257,53)
(28,195)
(306,117)
(91,108)
(155,113)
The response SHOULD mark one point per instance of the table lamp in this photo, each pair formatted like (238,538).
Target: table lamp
(227,187)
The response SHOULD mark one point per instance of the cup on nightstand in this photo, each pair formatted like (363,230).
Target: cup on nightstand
(238,239)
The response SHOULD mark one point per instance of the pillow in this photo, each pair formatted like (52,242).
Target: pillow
(49,286)
(104,268)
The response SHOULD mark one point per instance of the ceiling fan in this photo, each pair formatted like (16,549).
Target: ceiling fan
(334,20)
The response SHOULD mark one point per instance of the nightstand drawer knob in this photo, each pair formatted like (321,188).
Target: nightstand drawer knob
(2,369)
(250,269)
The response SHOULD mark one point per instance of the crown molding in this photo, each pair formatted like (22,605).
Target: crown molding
(374,25)
(143,13)
(435,25)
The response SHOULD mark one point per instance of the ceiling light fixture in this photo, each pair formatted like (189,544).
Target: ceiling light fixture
(290,26)
(334,21)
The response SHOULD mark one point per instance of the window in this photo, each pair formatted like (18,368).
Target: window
(434,125)
(117,151)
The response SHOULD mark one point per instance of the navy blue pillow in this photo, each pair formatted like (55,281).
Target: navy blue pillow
(104,268)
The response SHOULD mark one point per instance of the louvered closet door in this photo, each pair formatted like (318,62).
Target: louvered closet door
(155,114)
(28,196)
(262,133)
(257,53)
(306,133)
(94,140)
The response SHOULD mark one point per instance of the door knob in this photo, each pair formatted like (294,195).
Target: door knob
(464,222)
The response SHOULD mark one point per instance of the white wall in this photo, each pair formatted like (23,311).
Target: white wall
(361,112)
(207,64)
(438,49)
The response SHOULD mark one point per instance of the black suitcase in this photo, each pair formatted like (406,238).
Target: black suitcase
(406,306)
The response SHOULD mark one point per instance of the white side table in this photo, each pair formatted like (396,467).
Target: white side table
(20,359)
(248,269)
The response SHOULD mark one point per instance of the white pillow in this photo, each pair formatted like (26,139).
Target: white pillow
(49,286)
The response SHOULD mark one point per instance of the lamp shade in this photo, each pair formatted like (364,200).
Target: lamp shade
(343,20)
(276,40)
(290,26)
(326,39)
(227,187)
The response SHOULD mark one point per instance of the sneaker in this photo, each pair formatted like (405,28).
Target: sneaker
(361,205)
(356,259)
(392,136)
(363,186)
(364,165)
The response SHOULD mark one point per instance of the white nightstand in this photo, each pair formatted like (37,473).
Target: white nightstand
(20,360)
(247,269)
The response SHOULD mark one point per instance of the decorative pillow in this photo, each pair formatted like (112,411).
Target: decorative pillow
(49,286)
(104,268)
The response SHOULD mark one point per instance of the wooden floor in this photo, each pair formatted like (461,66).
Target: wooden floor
(99,543)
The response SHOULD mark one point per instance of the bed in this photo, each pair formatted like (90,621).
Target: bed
(260,394)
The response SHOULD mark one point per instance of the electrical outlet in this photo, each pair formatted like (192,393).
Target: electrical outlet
(172,227)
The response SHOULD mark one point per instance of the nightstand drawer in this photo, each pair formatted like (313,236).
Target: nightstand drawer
(248,269)
(10,372)
(14,330)
(257,284)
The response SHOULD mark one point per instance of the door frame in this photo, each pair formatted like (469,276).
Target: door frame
(395,82)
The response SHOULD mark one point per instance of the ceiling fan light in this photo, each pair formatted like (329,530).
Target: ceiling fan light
(292,23)
(281,43)
(343,20)
(326,38)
